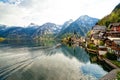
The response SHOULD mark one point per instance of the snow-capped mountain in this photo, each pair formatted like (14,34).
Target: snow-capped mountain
(47,28)
(81,26)
(85,20)
(64,26)
(29,32)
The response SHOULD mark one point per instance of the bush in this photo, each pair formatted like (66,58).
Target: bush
(111,56)
(92,46)
(102,43)
(118,75)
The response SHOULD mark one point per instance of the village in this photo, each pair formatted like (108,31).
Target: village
(102,41)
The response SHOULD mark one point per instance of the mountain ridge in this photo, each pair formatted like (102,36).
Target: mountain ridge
(33,31)
(81,25)
(113,17)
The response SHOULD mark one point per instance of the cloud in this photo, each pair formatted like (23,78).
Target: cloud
(11,14)
(23,12)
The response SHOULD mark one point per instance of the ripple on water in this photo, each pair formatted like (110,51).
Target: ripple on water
(39,65)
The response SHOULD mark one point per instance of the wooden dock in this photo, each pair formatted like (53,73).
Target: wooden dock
(91,51)
(110,63)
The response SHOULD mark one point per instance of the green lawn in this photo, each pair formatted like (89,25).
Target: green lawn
(117,63)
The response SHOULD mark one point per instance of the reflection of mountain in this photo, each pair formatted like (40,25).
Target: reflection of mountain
(76,52)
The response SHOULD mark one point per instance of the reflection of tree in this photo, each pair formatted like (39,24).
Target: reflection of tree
(76,52)
(29,43)
(94,59)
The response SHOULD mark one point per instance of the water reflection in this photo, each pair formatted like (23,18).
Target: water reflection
(93,70)
(76,52)
(27,43)
(46,63)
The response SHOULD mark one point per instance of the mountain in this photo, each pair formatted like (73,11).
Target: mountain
(80,26)
(117,7)
(15,33)
(66,24)
(113,17)
(29,32)
(2,28)
(47,29)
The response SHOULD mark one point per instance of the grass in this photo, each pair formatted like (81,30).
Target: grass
(117,63)
(110,56)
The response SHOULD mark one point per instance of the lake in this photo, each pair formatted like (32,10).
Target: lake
(47,63)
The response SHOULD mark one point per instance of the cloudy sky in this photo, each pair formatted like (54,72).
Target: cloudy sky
(24,12)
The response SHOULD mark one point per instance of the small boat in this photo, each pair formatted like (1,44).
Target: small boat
(58,45)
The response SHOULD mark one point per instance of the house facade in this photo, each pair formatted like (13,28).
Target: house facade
(110,37)
(97,33)
(113,39)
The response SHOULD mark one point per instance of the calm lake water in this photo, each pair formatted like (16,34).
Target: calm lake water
(47,63)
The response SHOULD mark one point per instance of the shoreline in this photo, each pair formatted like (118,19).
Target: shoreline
(112,75)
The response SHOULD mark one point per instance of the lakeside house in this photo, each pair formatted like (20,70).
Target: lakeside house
(98,28)
(113,39)
(97,34)
(113,30)
(106,39)
(102,50)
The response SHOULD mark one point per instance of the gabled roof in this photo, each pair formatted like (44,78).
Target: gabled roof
(98,27)
(114,24)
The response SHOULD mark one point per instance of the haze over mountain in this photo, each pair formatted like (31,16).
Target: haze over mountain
(29,32)
(81,26)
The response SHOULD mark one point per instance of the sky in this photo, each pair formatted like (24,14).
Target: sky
(24,12)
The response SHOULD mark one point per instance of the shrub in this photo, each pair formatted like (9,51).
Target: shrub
(111,56)
(118,75)
(102,43)
(92,46)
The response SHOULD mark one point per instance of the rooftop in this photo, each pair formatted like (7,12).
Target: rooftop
(98,27)
(113,38)
(114,24)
